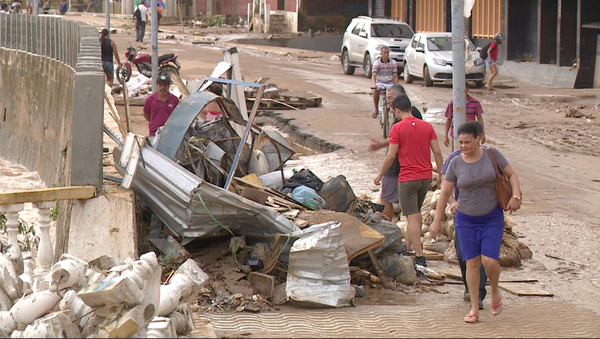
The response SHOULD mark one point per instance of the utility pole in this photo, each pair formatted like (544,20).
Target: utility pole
(36,7)
(154,23)
(458,69)
(107,15)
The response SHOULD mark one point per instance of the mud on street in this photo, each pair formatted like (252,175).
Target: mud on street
(549,136)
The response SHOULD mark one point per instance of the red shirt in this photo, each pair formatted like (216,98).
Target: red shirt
(159,111)
(493,51)
(413,137)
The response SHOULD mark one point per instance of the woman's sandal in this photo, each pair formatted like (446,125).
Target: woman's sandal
(471,318)
(497,308)
(374,115)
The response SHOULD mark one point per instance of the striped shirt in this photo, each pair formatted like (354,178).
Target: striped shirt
(473,109)
(385,72)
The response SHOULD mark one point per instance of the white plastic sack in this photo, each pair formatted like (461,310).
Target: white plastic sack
(318,269)
(273,179)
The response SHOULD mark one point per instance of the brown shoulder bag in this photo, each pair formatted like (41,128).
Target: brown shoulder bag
(503,188)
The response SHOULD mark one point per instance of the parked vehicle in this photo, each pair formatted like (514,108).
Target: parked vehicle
(429,57)
(167,63)
(364,38)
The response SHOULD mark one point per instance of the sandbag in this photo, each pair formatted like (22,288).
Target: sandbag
(398,267)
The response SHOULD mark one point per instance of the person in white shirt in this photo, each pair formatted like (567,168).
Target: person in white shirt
(140,21)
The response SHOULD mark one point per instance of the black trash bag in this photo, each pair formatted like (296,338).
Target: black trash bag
(390,231)
(304,177)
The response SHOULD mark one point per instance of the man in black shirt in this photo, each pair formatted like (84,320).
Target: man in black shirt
(109,48)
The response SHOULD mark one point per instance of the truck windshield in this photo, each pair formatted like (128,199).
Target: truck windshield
(391,31)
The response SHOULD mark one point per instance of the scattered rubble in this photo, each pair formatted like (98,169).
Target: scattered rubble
(103,298)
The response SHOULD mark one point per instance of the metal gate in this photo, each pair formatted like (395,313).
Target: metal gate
(487,17)
(430,16)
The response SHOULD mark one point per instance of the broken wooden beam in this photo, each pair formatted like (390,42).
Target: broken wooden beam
(47,194)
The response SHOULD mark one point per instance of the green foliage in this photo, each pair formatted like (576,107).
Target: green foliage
(528,57)
(54,212)
(212,20)
(30,239)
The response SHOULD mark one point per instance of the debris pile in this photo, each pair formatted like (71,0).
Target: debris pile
(102,298)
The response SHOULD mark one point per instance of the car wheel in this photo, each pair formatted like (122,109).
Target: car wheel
(367,66)
(428,81)
(348,70)
(479,84)
(407,77)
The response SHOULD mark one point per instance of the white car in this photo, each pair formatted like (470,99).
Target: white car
(429,57)
(364,38)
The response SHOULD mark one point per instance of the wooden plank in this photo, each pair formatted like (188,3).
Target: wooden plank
(358,237)
(47,194)
(454,272)
(431,255)
(524,290)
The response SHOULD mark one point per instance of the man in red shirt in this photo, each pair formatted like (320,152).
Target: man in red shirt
(159,106)
(412,139)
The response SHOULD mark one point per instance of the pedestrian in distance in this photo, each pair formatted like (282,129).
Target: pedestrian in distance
(411,139)
(385,74)
(108,50)
(389,182)
(453,202)
(4,8)
(63,7)
(492,59)
(473,112)
(140,17)
(479,220)
(159,105)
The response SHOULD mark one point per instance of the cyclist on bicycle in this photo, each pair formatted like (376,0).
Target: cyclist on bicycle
(385,74)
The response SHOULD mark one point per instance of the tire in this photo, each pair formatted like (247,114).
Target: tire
(123,74)
(407,77)
(428,81)
(479,84)
(348,70)
(367,66)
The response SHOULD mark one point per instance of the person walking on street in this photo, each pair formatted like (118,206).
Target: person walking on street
(473,111)
(411,139)
(385,74)
(453,202)
(159,105)
(140,16)
(479,219)
(493,58)
(108,50)
(4,8)
(389,182)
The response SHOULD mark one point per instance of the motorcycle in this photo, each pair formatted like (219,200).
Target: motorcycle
(167,63)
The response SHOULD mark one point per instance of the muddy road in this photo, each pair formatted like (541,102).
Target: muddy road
(549,136)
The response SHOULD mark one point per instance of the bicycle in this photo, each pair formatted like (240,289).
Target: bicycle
(385,118)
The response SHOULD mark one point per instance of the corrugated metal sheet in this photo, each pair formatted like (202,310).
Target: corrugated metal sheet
(171,192)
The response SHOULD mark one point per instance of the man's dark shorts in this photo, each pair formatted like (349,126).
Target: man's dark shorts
(412,194)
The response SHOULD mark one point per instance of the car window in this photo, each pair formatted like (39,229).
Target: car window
(420,43)
(391,31)
(470,46)
(415,41)
(439,43)
(357,28)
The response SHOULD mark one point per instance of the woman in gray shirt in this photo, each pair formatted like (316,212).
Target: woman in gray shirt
(479,220)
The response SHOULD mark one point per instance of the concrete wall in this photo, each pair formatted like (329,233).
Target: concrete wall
(224,7)
(543,74)
(51,97)
(51,103)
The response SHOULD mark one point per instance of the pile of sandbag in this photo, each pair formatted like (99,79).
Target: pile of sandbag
(512,251)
